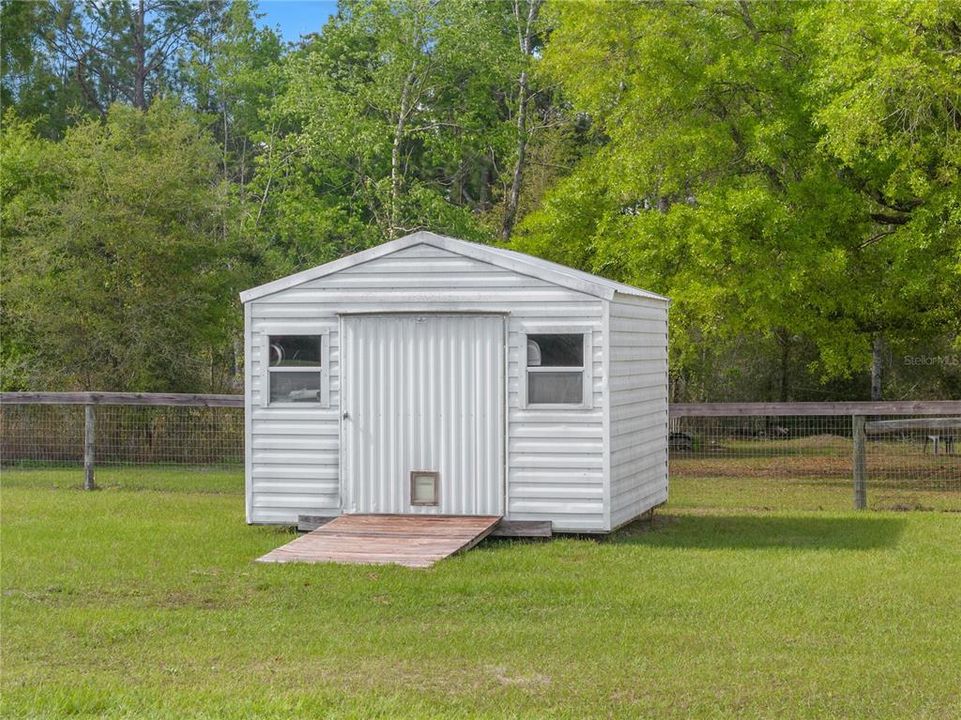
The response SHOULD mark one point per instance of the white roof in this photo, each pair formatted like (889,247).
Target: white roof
(500,257)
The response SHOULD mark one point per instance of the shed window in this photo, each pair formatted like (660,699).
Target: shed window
(295,368)
(555,369)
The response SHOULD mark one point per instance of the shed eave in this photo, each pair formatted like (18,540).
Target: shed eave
(645,294)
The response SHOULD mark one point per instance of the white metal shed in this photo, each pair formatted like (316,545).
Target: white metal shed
(434,375)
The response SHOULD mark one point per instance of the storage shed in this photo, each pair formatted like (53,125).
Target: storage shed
(434,375)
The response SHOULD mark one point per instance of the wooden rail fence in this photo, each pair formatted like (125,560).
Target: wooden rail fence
(92,399)
(861,428)
(859,412)
(120,398)
(901,407)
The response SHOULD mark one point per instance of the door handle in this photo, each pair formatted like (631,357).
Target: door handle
(346,416)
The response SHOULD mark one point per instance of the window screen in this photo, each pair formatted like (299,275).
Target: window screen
(295,387)
(555,369)
(295,368)
(565,388)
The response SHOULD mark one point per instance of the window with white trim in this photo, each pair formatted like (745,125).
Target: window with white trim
(295,368)
(555,369)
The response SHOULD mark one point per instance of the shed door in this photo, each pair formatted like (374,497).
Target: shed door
(423,395)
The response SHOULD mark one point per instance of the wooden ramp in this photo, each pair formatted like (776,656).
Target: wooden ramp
(411,540)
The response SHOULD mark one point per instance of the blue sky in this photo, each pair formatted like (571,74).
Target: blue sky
(295,17)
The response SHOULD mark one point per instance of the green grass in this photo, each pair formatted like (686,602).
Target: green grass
(142,603)
(131,477)
(836,494)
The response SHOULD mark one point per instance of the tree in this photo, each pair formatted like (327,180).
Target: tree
(126,50)
(525,17)
(34,80)
(117,275)
(233,74)
(715,182)
(390,121)
(886,85)
(27,182)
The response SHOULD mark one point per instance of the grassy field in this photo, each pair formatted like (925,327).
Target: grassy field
(142,601)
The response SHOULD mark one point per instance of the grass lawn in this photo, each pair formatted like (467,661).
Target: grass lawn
(142,601)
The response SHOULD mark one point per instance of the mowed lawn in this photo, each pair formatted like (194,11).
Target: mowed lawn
(142,600)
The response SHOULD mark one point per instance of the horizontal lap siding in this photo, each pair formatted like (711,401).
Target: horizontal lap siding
(638,407)
(294,451)
(555,469)
(556,456)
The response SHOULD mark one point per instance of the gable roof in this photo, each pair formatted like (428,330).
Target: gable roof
(509,259)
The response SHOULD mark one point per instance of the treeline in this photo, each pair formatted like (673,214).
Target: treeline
(787,172)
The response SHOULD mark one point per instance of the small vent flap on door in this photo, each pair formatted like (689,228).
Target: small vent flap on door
(424,487)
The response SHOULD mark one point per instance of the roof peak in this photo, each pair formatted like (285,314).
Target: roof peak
(510,259)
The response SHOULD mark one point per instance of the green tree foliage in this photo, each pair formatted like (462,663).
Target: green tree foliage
(118,274)
(27,182)
(886,97)
(126,50)
(232,73)
(736,174)
(397,117)
(65,60)
(786,171)
(31,78)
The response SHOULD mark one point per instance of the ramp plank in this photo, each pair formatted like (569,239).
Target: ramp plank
(410,540)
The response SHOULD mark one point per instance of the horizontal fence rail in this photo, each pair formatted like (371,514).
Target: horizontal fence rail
(894,426)
(825,409)
(119,398)
(887,455)
(721,409)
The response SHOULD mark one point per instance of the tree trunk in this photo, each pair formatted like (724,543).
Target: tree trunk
(525,38)
(877,361)
(483,198)
(513,199)
(394,209)
(784,370)
(140,58)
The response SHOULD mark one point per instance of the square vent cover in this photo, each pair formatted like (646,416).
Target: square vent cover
(424,487)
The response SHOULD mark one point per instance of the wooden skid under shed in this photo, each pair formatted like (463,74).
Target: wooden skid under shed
(410,540)
(505,528)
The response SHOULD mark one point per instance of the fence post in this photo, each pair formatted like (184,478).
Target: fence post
(859,463)
(88,445)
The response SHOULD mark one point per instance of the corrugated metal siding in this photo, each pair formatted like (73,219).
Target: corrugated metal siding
(545,480)
(638,406)
(423,392)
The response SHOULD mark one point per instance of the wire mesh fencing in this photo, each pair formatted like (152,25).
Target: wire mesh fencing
(799,456)
(134,446)
(53,435)
(807,462)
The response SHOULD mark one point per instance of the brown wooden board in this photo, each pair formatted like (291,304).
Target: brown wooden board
(308,523)
(409,540)
(899,407)
(523,528)
(120,398)
(893,426)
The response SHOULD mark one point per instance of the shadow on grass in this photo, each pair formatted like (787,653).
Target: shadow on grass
(758,532)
